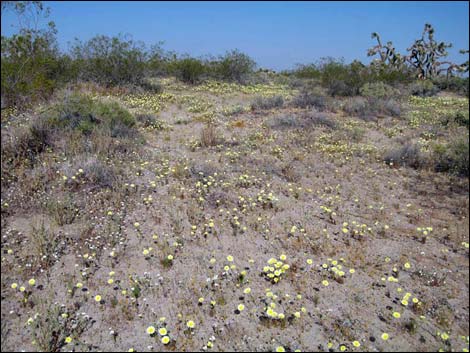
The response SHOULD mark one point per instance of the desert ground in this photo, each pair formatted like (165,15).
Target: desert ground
(233,218)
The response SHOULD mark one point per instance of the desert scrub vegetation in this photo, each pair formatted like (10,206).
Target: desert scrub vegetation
(210,135)
(266,103)
(235,66)
(81,112)
(312,98)
(450,157)
(371,107)
(423,89)
(176,217)
(53,327)
(189,70)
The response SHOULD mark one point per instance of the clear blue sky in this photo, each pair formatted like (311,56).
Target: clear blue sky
(276,34)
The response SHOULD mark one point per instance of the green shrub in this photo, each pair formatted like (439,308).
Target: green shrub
(307,71)
(30,67)
(83,113)
(110,60)
(189,70)
(378,90)
(341,79)
(462,118)
(423,88)
(151,86)
(454,84)
(235,66)
(453,158)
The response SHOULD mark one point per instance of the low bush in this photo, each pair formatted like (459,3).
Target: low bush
(456,84)
(209,136)
(378,90)
(80,112)
(311,99)
(362,107)
(99,173)
(301,121)
(151,86)
(453,158)
(26,142)
(265,103)
(284,121)
(356,106)
(150,121)
(408,155)
(317,119)
(423,88)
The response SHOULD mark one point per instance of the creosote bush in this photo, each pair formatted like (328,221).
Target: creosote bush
(110,60)
(189,70)
(235,66)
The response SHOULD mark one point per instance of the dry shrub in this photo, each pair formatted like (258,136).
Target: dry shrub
(208,135)
(266,103)
(238,123)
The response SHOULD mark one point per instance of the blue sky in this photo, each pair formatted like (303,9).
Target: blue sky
(277,35)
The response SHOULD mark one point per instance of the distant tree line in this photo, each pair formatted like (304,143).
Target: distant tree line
(32,66)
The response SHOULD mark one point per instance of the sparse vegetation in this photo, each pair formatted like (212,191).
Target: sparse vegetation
(152,201)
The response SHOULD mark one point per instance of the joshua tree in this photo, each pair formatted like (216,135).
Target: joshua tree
(464,66)
(425,55)
(388,56)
